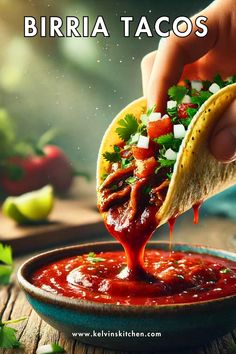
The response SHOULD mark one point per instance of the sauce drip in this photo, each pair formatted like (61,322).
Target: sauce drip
(133,235)
(196,208)
(171,223)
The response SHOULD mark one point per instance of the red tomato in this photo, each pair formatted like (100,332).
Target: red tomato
(182,109)
(160,127)
(146,167)
(141,153)
(31,173)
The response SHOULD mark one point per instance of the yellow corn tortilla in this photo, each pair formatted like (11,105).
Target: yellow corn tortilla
(197,174)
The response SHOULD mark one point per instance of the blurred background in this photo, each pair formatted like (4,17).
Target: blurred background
(75,84)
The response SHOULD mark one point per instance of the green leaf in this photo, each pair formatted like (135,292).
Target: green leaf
(177,93)
(113,156)
(127,127)
(219,81)
(8,337)
(7,267)
(134,138)
(168,141)
(186,121)
(201,97)
(151,110)
(50,349)
(166,163)
(147,189)
(131,180)
(169,175)
(191,112)
(93,258)
(6,254)
(144,119)
(125,163)
(172,112)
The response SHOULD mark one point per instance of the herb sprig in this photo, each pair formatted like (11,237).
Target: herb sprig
(92,257)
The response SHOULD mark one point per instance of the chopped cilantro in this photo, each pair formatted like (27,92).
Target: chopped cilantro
(6,264)
(225,271)
(201,97)
(191,112)
(127,126)
(8,338)
(151,110)
(93,258)
(177,93)
(164,163)
(219,81)
(169,141)
(147,189)
(144,119)
(186,121)
(134,139)
(125,163)
(112,156)
(131,180)
(169,175)
(172,112)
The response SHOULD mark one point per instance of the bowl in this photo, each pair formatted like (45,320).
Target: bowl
(163,327)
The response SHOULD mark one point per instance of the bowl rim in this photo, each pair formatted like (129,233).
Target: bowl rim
(99,307)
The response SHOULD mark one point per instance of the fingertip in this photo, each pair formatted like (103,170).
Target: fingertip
(223,145)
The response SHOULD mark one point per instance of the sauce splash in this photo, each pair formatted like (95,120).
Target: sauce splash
(196,208)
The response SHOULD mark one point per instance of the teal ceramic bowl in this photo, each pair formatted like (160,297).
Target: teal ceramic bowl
(164,327)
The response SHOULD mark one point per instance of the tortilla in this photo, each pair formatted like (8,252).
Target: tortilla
(197,174)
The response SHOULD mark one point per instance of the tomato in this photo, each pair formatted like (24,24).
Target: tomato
(146,167)
(182,109)
(159,127)
(31,173)
(141,153)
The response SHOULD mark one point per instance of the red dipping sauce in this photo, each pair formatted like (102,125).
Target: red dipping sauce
(175,277)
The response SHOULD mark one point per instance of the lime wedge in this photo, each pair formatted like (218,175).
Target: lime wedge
(9,209)
(30,207)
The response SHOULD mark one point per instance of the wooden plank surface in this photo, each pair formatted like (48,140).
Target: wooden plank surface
(70,220)
(34,332)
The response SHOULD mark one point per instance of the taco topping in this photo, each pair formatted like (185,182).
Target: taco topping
(141,166)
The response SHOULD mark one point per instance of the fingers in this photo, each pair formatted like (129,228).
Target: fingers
(223,139)
(171,57)
(146,69)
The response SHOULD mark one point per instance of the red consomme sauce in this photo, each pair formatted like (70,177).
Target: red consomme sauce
(176,277)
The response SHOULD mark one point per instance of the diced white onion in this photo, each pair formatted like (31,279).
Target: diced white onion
(186,99)
(170,154)
(165,116)
(179,131)
(115,166)
(171,104)
(214,88)
(143,142)
(154,116)
(196,85)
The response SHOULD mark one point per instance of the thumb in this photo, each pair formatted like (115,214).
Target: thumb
(223,139)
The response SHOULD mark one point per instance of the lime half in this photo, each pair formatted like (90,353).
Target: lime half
(30,207)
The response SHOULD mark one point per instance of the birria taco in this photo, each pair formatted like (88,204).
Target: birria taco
(152,167)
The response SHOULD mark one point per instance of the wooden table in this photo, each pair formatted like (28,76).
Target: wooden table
(34,332)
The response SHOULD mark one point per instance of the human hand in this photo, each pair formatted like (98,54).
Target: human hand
(198,58)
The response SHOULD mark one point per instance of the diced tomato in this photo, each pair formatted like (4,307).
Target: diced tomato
(159,127)
(182,109)
(141,153)
(146,167)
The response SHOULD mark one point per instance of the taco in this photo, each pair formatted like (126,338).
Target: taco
(161,165)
